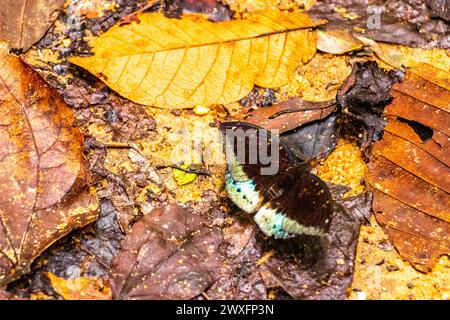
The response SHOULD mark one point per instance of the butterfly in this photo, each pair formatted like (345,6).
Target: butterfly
(265,178)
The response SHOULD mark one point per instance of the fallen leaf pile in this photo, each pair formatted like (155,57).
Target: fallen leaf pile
(101,196)
(410,173)
(43,184)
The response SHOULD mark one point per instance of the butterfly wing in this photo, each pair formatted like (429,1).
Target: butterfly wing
(249,176)
(306,210)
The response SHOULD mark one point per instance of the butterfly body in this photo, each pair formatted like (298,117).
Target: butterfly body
(288,203)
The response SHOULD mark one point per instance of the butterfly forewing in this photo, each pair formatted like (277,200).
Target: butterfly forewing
(263,177)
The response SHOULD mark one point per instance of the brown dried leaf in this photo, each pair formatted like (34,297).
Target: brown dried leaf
(169,254)
(181,63)
(24,22)
(43,193)
(291,114)
(410,171)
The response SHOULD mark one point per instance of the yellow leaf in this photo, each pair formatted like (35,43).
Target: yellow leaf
(337,41)
(182,177)
(181,63)
(80,288)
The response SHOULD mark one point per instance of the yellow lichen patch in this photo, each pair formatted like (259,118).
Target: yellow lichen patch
(319,80)
(100,132)
(118,162)
(373,280)
(344,166)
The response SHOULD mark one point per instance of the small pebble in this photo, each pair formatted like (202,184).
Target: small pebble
(201,110)
(410,285)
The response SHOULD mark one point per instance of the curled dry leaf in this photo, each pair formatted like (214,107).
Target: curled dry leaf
(43,193)
(24,22)
(169,254)
(290,114)
(410,173)
(337,41)
(180,63)
(80,288)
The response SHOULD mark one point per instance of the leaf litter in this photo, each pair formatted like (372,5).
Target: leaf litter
(308,82)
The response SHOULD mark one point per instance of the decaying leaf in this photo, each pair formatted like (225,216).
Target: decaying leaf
(410,173)
(43,191)
(169,254)
(364,95)
(80,288)
(337,41)
(180,63)
(24,22)
(291,114)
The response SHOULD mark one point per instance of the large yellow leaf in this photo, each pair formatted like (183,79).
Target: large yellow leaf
(180,63)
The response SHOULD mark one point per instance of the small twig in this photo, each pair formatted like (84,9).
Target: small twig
(204,295)
(198,171)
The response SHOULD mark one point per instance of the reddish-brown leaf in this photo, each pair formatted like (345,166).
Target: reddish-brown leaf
(410,171)
(24,22)
(169,254)
(43,191)
(290,114)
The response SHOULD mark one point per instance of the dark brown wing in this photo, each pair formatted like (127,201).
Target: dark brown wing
(255,141)
(308,202)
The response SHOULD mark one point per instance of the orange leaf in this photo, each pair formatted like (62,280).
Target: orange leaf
(80,288)
(181,63)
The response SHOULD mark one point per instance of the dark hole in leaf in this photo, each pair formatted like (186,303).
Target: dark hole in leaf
(424,132)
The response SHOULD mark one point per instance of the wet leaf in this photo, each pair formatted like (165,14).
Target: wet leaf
(180,63)
(337,41)
(290,114)
(169,254)
(24,22)
(80,288)
(410,172)
(43,185)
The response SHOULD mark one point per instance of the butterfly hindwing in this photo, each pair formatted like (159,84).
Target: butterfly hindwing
(304,208)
